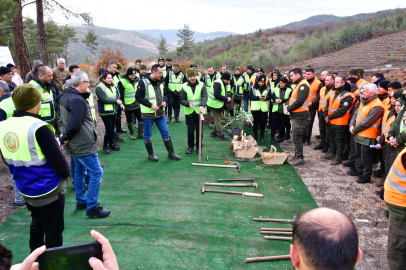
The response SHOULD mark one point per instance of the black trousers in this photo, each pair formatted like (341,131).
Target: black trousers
(173,104)
(322,126)
(363,159)
(192,122)
(280,121)
(132,115)
(389,156)
(309,126)
(47,221)
(336,138)
(396,249)
(260,118)
(109,123)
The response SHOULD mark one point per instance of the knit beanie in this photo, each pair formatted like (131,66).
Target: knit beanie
(10,65)
(191,72)
(361,72)
(397,94)
(262,78)
(25,97)
(4,70)
(193,65)
(143,67)
(353,71)
(131,71)
(238,68)
(250,67)
(384,84)
(260,70)
(226,76)
(119,66)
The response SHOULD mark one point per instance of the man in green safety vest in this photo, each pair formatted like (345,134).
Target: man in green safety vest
(217,98)
(248,75)
(238,82)
(173,83)
(32,154)
(199,75)
(167,67)
(194,97)
(150,95)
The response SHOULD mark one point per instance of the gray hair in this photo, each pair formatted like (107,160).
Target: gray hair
(68,84)
(111,63)
(78,77)
(372,87)
(60,60)
(4,87)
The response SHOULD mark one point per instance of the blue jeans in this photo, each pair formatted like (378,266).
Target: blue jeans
(245,97)
(72,173)
(18,197)
(92,164)
(160,123)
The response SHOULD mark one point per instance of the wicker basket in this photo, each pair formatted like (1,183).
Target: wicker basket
(273,157)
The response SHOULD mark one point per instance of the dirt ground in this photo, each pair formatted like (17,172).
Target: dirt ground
(329,185)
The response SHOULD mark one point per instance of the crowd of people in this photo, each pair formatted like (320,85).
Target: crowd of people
(360,122)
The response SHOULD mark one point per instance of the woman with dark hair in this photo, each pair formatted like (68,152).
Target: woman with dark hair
(107,99)
(280,117)
(259,96)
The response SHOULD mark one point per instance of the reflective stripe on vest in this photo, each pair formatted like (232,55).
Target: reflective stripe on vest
(238,91)
(277,93)
(129,91)
(150,96)
(108,108)
(362,113)
(209,81)
(361,83)
(32,172)
(387,123)
(7,105)
(293,98)
(194,98)
(247,79)
(395,184)
(334,105)
(212,101)
(324,96)
(259,105)
(47,111)
(175,83)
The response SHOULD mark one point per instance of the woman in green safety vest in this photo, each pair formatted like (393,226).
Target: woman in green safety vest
(259,96)
(107,100)
(280,117)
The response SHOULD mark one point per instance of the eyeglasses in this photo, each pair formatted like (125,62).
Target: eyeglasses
(86,81)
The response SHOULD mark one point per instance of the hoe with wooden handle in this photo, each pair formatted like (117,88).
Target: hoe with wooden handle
(255,185)
(238,167)
(233,192)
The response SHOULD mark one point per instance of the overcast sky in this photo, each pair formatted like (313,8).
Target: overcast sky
(211,15)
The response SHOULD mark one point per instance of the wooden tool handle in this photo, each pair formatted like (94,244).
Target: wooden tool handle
(252,194)
(276,229)
(269,258)
(230,185)
(276,233)
(223,191)
(272,220)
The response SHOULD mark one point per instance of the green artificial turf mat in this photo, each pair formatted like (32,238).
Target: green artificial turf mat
(161,220)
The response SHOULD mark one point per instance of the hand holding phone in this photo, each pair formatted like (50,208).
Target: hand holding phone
(109,258)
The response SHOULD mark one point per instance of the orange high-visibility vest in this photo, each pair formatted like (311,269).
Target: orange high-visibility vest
(314,88)
(387,123)
(333,106)
(386,103)
(363,111)
(324,98)
(355,93)
(395,183)
(361,83)
(293,98)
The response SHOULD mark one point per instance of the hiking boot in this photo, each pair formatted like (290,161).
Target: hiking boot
(308,140)
(131,129)
(214,134)
(328,156)
(348,164)
(189,150)
(14,204)
(222,138)
(106,150)
(140,130)
(169,120)
(320,146)
(354,173)
(97,211)
(81,206)
(336,161)
(287,137)
(118,126)
(380,193)
(325,148)
(177,120)
(151,156)
(114,147)
(385,213)
(380,182)
(297,161)
(363,180)
(262,138)
(345,155)
(379,173)
(273,140)
(118,139)
(280,140)
(169,148)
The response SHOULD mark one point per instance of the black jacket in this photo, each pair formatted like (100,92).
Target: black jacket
(140,97)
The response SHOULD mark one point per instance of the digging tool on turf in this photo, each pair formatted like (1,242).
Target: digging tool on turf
(268,258)
(272,220)
(238,167)
(249,194)
(241,179)
(277,238)
(200,137)
(207,159)
(255,185)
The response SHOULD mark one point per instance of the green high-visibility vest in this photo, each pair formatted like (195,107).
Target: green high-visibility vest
(212,101)
(129,91)
(277,92)
(7,105)
(238,91)
(109,108)
(194,98)
(32,172)
(175,83)
(209,81)
(257,105)
(198,77)
(116,79)
(248,79)
(47,111)
(150,95)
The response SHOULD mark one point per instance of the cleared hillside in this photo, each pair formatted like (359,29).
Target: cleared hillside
(372,54)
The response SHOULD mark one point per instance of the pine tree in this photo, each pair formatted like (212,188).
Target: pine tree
(162,47)
(90,41)
(186,41)
(68,34)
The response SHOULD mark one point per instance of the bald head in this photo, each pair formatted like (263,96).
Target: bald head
(323,75)
(325,239)
(45,74)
